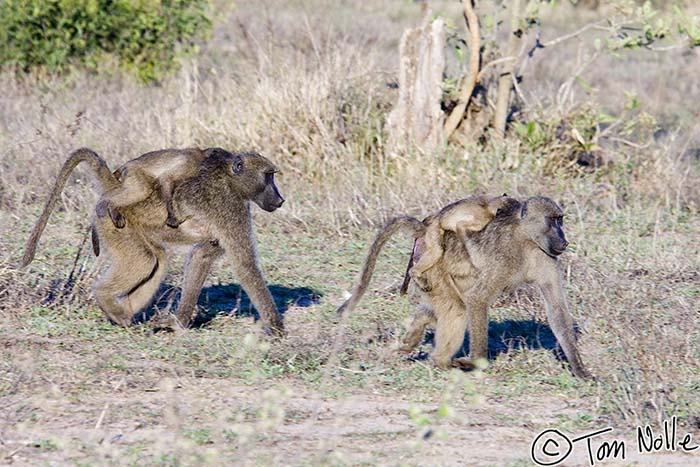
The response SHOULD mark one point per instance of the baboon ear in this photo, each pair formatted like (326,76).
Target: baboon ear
(237,165)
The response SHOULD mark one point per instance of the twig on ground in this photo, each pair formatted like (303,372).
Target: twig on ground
(106,407)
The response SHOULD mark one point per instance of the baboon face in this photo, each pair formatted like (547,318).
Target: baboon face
(259,173)
(542,220)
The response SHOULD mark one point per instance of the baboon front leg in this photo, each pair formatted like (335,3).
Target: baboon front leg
(423,318)
(478,311)
(561,322)
(254,284)
(242,254)
(449,331)
(197,268)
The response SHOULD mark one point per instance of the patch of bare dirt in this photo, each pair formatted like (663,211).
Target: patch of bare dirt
(234,423)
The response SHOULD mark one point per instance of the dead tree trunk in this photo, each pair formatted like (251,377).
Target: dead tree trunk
(417,119)
(505,81)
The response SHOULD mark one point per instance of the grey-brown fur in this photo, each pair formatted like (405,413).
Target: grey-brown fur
(155,170)
(395,225)
(520,245)
(214,207)
(461,217)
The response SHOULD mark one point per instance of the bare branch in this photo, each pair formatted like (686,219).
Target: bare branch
(566,37)
(498,61)
(469,83)
(505,81)
(668,48)
(630,143)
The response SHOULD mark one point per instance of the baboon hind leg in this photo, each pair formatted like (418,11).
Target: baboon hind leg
(450,328)
(423,318)
(477,318)
(131,281)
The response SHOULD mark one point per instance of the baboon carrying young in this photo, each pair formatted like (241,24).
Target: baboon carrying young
(467,215)
(520,245)
(214,208)
(154,170)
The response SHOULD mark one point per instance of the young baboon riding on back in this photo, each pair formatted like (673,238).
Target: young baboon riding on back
(461,217)
(157,170)
(520,245)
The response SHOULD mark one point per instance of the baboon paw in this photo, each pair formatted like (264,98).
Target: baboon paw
(464,363)
(421,282)
(117,219)
(172,223)
(118,321)
(274,330)
(583,374)
(441,365)
(166,322)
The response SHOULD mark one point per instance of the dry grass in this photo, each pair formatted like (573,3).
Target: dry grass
(309,88)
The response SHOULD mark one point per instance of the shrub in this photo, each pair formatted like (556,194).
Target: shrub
(146,36)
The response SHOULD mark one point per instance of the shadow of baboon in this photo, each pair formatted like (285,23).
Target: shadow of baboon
(508,335)
(219,299)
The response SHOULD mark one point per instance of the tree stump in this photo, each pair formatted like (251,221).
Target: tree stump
(417,119)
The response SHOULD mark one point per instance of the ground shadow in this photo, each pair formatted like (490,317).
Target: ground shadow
(509,335)
(230,299)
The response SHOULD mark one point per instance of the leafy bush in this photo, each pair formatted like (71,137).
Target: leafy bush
(146,36)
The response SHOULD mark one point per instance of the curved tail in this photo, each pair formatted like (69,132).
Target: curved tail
(104,177)
(403,223)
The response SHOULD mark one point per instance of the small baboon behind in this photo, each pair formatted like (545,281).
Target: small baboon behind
(160,170)
(520,245)
(467,215)
(214,208)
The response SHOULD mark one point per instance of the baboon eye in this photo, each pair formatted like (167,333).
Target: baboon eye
(556,220)
(269,177)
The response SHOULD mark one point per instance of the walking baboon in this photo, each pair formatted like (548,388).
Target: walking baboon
(214,207)
(520,245)
(154,170)
(466,215)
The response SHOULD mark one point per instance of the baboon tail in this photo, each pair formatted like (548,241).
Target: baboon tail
(402,223)
(407,275)
(95,240)
(104,177)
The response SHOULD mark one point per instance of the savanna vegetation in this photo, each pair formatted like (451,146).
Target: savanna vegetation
(602,118)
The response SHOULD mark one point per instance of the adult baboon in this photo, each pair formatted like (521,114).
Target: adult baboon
(520,245)
(214,207)
(154,170)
